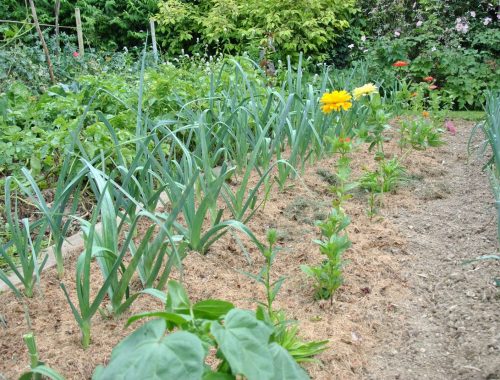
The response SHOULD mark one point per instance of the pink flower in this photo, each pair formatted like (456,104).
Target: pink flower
(75,54)
(419,23)
(450,127)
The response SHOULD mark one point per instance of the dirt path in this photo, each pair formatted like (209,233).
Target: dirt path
(449,328)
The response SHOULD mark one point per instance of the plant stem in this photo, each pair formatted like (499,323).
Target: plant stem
(85,327)
(30,342)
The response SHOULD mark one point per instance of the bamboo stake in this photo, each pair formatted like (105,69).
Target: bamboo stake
(42,40)
(79,32)
(153,38)
(56,12)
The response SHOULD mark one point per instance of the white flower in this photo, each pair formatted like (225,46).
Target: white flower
(397,33)
(472,13)
(350,46)
(419,23)
(363,38)
(433,48)
(461,25)
(487,20)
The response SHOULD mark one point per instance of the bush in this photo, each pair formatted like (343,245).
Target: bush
(455,43)
(234,26)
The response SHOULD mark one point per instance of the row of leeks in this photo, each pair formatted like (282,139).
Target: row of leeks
(176,183)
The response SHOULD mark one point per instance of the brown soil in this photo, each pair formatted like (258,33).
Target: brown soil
(408,309)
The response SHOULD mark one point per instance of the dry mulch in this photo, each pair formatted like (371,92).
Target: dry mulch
(381,322)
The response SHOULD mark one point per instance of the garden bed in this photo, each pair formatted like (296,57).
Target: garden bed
(393,258)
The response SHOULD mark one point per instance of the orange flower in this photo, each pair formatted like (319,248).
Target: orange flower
(345,140)
(425,114)
(428,79)
(400,64)
(432,87)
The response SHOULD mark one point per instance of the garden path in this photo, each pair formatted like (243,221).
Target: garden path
(449,326)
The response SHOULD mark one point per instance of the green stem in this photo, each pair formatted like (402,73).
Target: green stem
(30,342)
(85,327)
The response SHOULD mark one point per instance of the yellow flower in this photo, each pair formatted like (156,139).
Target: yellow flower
(367,89)
(336,100)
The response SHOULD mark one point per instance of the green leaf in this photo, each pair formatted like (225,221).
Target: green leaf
(211,309)
(244,341)
(285,366)
(177,298)
(148,354)
(41,370)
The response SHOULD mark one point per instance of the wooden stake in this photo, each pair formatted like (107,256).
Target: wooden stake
(42,40)
(79,32)
(56,12)
(153,38)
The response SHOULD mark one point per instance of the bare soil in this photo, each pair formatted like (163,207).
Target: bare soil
(409,307)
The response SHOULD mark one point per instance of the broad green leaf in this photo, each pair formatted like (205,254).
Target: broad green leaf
(148,354)
(284,365)
(244,341)
(177,298)
(211,309)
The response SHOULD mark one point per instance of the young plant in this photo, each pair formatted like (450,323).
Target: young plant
(386,178)
(285,331)
(235,335)
(328,275)
(27,265)
(420,133)
(38,368)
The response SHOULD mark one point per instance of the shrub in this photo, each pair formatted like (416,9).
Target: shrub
(232,26)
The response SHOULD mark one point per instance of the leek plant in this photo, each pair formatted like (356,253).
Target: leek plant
(490,128)
(26,242)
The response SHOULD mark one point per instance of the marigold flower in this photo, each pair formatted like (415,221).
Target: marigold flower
(428,79)
(367,89)
(432,87)
(400,64)
(425,113)
(335,101)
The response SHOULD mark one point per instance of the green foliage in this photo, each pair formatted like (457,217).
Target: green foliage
(111,23)
(456,43)
(26,243)
(420,133)
(328,275)
(244,343)
(386,178)
(234,26)
(490,129)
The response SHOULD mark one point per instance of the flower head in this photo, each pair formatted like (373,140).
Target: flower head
(450,127)
(335,101)
(432,87)
(487,20)
(346,140)
(75,54)
(419,23)
(367,89)
(428,79)
(425,113)
(400,64)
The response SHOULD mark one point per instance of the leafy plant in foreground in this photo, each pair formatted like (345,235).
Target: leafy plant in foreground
(243,343)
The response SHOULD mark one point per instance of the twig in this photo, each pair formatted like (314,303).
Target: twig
(42,40)
(32,23)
